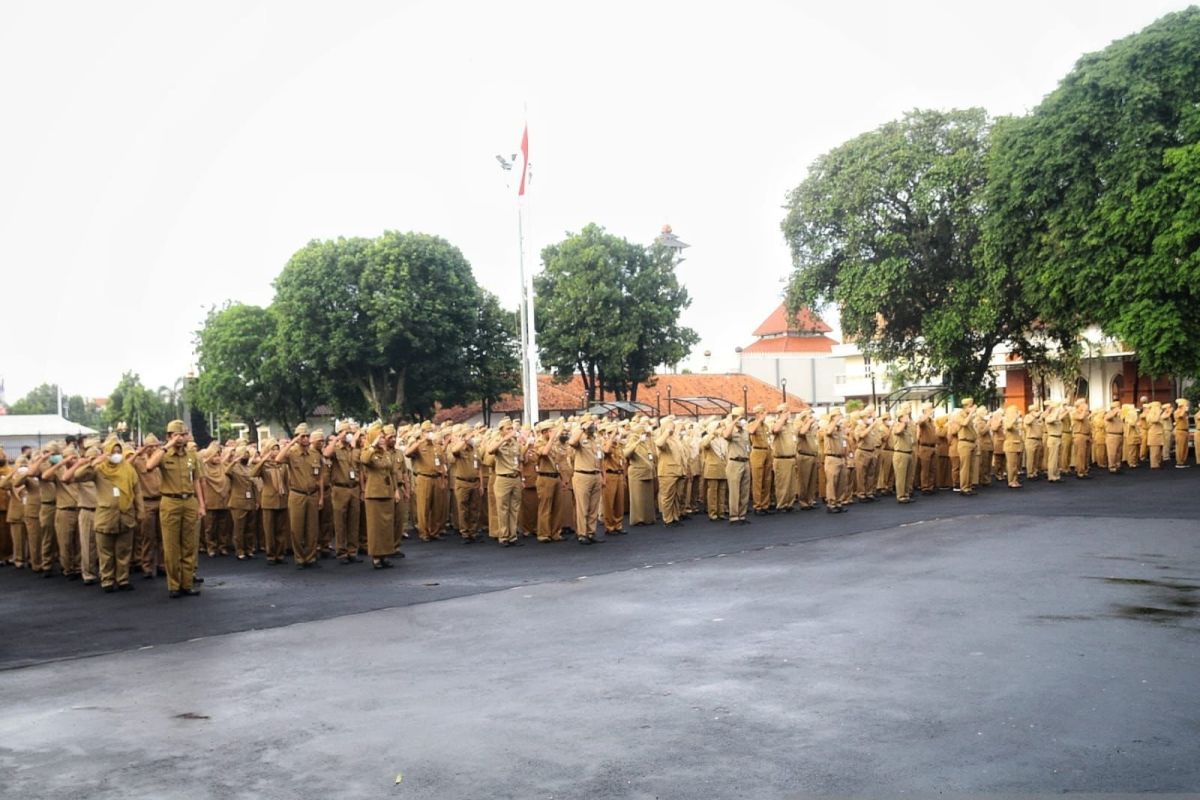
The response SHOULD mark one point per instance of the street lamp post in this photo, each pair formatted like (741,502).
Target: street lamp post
(669,411)
(745,397)
(783,383)
(657,408)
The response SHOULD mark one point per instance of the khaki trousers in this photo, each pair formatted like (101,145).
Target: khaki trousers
(508,507)
(760,478)
(426,522)
(239,516)
(1181,447)
(670,488)
(381,526)
(115,551)
(1033,456)
(1112,447)
(66,528)
(716,497)
(181,541)
(1132,448)
(347,512)
(1156,456)
(33,538)
(274,524)
(1053,462)
(218,530)
(641,501)
(614,502)
(20,543)
(493,517)
(589,491)
(968,466)
(865,472)
(466,504)
(303,521)
(807,483)
(89,563)
(737,476)
(985,467)
(548,511)
(833,478)
(527,518)
(926,467)
(902,466)
(1012,463)
(785,482)
(49,537)
(886,472)
(1082,454)
(147,540)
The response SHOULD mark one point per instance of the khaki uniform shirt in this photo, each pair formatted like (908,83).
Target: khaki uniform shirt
(379,469)
(303,469)
(639,454)
(241,487)
(178,472)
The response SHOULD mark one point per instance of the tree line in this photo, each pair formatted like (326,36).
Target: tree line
(946,234)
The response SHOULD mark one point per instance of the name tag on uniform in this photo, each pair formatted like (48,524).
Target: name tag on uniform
(477,463)
(437,462)
(352,474)
(249,495)
(316,470)
(116,492)
(649,458)
(599,454)
(23,499)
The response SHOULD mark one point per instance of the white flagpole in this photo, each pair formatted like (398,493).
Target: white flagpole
(528,335)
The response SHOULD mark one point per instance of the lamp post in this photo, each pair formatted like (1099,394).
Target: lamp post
(669,411)
(657,409)
(783,383)
(871,375)
(745,397)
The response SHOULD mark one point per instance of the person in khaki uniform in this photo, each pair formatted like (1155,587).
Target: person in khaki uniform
(671,471)
(241,498)
(427,465)
(1053,418)
(147,539)
(118,506)
(807,475)
(507,449)
(983,437)
(836,447)
(968,448)
(1168,440)
(614,482)
(737,470)
(66,513)
(51,455)
(943,472)
(392,442)
(27,479)
(1114,431)
(381,492)
(7,548)
(527,518)
(1155,435)
(218,524)
(760,461)
(306,495)
(783,453)
(712,465)
(639,452)
(1013,446)
(1132,434)
(867,440)
(587,481)
(886,480)
(325,535)
(904,437)
(182,506)
(273,500)
(464,471)
(927,442)
(85,487)
(1035,431)
(1081,439)
(345,490)
(549,477)
(1182,409)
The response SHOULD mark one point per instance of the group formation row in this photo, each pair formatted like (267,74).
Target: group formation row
(99,510)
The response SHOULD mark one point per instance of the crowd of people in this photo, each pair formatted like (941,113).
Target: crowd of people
(100,511)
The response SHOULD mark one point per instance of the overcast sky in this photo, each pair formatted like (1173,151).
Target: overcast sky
(158,158)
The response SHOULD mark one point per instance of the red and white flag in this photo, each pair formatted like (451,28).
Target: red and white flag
(524,160)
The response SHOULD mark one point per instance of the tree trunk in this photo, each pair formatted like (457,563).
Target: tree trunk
(252,434)
(401,394)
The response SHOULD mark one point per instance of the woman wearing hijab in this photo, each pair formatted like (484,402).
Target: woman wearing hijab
(217,522)
(118,508)
(379,468)
(241,499)
(274,500)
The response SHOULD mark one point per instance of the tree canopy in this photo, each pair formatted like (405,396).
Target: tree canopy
(609,309)
(888,227)
(1095,195)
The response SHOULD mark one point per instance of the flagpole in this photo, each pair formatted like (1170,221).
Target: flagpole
(528,337)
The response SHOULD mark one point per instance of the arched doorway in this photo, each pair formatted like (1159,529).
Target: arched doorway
(1081,388)
(1116,388)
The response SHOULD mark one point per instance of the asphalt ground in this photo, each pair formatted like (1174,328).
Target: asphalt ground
(1041,640)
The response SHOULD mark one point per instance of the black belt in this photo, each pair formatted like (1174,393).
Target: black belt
(87,508)
(1054,435)
(468,480)
(1034,438)
(306,494)
(178,496)
(614,472)
(346,485)
(929,445)
(508,475)
(47,502)
(905,452)
(811,455)
(429,474)
(783,458)
(155,497)
(68,508)
(548,474)
(587,472)
(756,447)
(738,458)
(866,449)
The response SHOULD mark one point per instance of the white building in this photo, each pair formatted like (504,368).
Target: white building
(795,354)
(36,430)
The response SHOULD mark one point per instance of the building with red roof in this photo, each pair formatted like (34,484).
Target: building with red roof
(792,351)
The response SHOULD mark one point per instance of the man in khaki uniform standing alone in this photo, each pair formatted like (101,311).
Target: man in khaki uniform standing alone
(182,506)
(306,495)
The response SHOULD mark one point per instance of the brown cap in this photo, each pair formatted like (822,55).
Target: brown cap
(176,426)
(301,430)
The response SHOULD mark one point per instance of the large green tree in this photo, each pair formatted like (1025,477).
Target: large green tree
(43,399)
(247,371)
(887,227)
(609,309)
(492,360)
(137,406)
(1095,196)
(385,322)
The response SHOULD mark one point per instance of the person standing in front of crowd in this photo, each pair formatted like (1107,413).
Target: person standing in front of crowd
(182,506)
(737,470)
(306,495)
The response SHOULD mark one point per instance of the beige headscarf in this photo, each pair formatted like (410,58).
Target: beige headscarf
(123,475)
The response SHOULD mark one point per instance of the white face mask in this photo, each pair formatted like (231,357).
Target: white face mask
(22,470)
(116,458)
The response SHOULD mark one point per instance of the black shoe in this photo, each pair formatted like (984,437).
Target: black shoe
(109,589)
(74,576)
(586,541)
(48,573)
(175,595)
(387,564)
(197,579)
(124,587)
(397,554)
(191,592)
(147,576)
(344,561)
(314,565)
(302,566)
(89,581)
(377,565)
(594,540)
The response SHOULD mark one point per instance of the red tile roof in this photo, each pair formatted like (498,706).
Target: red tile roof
(805,321)
(792,344)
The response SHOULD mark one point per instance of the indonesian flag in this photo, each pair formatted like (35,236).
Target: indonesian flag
(524,160)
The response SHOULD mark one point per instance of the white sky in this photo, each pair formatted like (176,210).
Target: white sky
(157,158)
